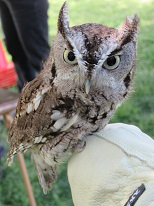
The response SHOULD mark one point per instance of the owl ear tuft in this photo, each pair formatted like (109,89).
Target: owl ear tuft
(128,31)
(131,25)
(130,28)
(63,20)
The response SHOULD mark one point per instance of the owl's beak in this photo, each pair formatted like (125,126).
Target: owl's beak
(87,86)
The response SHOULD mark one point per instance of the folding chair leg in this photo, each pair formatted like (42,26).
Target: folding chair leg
(26,179)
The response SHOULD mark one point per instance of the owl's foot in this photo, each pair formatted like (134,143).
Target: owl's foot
(80,146)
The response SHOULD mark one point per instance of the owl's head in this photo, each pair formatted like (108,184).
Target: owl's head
(92,57)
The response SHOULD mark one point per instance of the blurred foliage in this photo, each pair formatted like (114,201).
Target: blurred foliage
(138,110)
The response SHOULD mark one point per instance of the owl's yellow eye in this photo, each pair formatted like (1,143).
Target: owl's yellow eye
(112,62)
(69,57)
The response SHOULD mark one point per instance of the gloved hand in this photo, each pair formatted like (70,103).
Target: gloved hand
(114,163)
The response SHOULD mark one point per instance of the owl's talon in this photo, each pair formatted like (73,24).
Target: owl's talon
(80,146)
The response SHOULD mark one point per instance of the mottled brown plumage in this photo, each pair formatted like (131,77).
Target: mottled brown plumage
(88,75)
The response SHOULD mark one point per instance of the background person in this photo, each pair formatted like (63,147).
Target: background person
(25,28)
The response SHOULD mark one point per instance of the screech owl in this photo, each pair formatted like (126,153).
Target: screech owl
(89,74)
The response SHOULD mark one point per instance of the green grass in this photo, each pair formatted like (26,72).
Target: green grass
(138,110)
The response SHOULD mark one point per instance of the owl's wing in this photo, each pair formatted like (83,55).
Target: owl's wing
(41,113)
(34,118)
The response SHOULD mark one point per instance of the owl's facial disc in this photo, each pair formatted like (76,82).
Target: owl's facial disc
(111,63)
